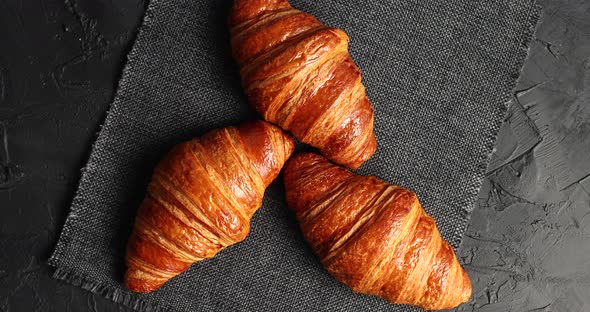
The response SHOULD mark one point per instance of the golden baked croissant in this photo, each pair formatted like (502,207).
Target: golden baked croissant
(373,236)
(201,198)
(298,74)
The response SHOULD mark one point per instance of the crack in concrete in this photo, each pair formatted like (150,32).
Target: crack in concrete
(92,40)
(3,82)
(549,47)
(10,174)
(92,303)
(500,193)
(32,267)
(525,91)
(543,308)
(577,182)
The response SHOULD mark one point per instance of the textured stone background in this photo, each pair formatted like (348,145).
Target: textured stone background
(527,248)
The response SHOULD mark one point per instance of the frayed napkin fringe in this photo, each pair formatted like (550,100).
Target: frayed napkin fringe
(106,291)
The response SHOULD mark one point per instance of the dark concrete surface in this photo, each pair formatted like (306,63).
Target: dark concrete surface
(528,245)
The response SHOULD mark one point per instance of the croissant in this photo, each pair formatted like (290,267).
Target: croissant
(201,198)
(373,236)
(298,74)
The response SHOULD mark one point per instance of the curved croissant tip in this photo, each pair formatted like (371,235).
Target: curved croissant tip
(138,285)
(467,289)
(288,140)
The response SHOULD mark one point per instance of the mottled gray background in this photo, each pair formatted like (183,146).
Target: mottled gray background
(527,248)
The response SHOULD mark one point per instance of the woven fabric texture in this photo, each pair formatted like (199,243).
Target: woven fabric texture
(439,74)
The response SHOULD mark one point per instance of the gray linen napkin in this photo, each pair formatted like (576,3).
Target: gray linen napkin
(439,74)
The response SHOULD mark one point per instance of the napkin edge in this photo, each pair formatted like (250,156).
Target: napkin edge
(521,55)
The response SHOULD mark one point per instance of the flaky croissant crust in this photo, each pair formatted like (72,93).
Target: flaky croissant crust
(373,236)
(201,198)
(298,74)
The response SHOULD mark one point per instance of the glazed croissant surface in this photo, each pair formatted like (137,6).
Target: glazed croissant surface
(373,236)
(201,198)
(298,74)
